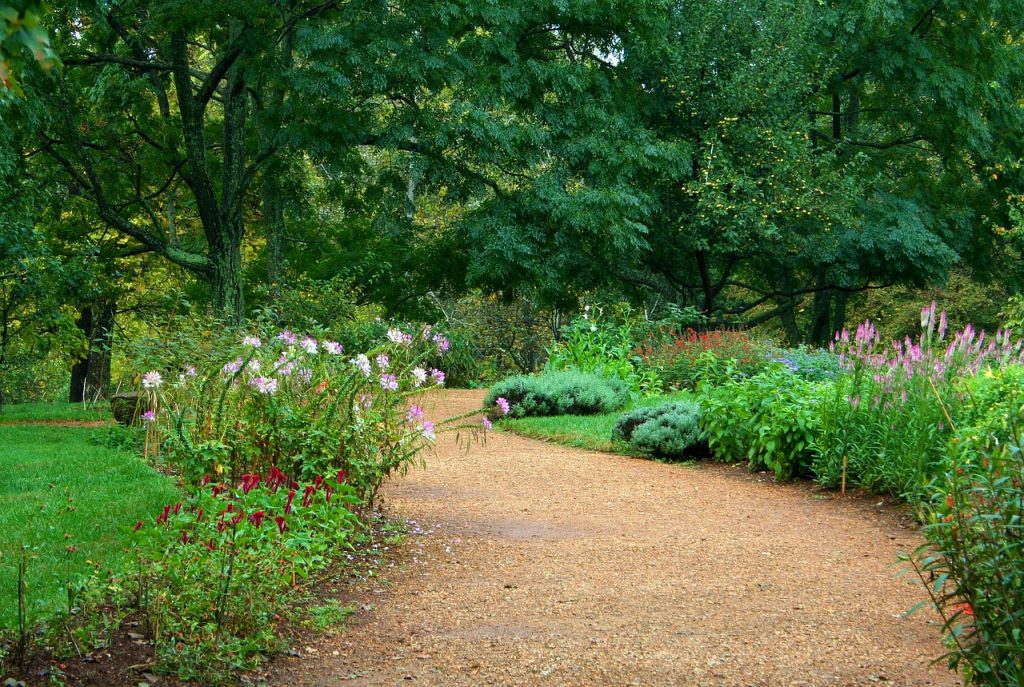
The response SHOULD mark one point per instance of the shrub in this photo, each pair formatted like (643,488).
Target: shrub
(669,430)
(772,419)
(560,393)
(973,563)
(676,356)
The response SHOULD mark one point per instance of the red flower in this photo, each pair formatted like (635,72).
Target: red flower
(949,501)
(205,480)
(307,496)
(184,536)
(250,482)
(288,505)
(217,489)
(138,526)
(963,608)
(163,516)
(210,545)
(221,525)
(317,481)
(341,476)
(328,492)
(177,507)
(257,518)
(199,515)
(281,525)
(238,518)
(230,508)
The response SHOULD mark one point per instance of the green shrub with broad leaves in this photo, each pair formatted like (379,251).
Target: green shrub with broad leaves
(771,420)
(559,393)
(669,430)
(973,563)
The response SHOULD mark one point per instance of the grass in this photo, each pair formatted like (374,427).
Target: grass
(592,432)
(36,412)
(55,484)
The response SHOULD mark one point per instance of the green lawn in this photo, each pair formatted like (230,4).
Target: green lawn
(592,432)
(28,412)
(53,483)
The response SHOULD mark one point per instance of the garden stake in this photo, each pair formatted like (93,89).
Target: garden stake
(843,488)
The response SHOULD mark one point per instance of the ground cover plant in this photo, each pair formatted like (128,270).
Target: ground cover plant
(559,393)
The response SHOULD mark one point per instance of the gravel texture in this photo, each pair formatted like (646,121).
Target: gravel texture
(534,564)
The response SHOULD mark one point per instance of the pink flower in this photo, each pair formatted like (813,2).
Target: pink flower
(438,376)
(286,336)
(151,380)
(333,347)
(503,405)
(442,343)
(264,385)
(428,430)
(252,341)
(148,416)
(488,424)
(309,345)
(383,361)
(415,414)
(389,382)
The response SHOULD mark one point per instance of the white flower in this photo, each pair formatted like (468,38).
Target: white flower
(333,347)
(309,345)
(421,376)
(363,363)
(252,341)
(151,380)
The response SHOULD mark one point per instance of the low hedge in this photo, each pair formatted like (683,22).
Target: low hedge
(559,393)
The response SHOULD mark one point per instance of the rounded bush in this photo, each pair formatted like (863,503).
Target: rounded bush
(559,393)
(666,431)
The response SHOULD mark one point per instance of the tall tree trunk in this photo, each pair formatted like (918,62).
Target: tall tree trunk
(90,374)
(707,287)
(820,320)
(274,228)
(839,312)
(788,315)
(80,368)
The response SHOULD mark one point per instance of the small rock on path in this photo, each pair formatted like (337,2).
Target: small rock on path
(534,564)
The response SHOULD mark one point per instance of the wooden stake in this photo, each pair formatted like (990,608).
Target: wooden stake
(843,489)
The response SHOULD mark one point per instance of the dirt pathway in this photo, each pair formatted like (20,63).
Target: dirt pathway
(532,564)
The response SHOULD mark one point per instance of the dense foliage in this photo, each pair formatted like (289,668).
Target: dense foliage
(669,430)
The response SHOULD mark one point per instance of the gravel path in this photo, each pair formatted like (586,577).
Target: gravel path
(533,564)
